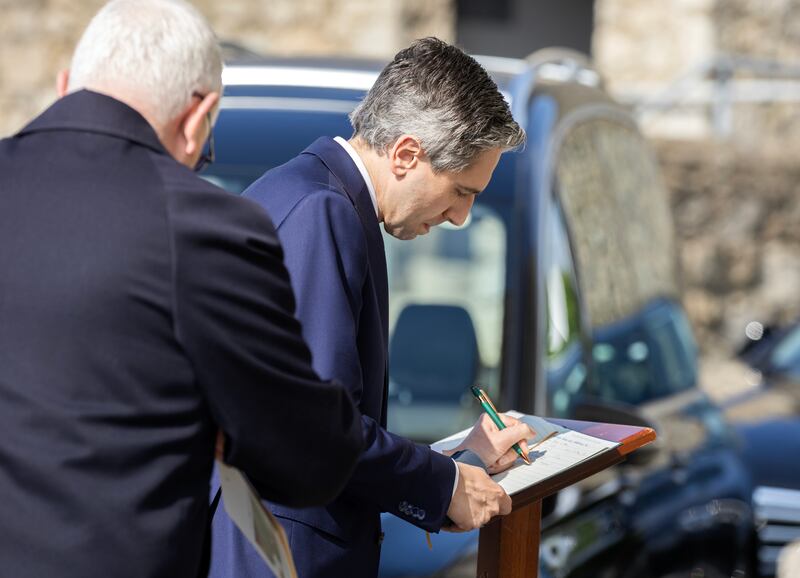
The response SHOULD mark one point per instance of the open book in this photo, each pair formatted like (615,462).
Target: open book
(560,449)
(257,524)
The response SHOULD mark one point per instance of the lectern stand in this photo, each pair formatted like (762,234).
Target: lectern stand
(509,545)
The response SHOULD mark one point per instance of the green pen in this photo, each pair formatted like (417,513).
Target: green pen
(489,408)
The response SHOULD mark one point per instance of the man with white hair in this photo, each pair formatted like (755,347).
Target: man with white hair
(142,310)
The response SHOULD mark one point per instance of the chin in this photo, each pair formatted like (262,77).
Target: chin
(401,233)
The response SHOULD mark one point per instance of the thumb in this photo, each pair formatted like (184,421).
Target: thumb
(505,504)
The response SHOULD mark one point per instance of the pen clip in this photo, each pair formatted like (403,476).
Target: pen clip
(487,400)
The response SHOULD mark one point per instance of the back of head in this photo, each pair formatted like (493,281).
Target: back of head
(158,52)
(443,97)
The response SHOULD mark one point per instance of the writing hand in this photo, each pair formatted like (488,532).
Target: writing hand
(493,446)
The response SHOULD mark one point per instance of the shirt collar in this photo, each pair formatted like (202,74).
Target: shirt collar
(361,169)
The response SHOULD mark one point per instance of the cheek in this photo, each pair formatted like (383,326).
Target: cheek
(445,202)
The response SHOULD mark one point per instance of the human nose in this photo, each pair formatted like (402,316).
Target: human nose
(458,213)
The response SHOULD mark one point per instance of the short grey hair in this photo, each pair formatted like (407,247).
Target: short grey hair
(437,93)
(161,51)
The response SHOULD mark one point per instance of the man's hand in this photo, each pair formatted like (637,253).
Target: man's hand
(493,446)
(476,501)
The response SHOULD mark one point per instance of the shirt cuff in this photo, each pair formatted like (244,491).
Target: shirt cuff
(455,481)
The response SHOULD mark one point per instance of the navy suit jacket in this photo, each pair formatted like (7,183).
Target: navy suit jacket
(141,308)
(334,251)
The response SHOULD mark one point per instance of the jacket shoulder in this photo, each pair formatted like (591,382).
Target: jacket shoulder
(302,180)
(192,195)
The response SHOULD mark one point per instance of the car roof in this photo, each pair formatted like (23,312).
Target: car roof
(300,98)
(338,72)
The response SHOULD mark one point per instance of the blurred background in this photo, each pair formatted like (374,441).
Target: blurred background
(715,85)
(715,88)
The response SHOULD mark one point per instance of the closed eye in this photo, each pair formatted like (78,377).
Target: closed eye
(462,191)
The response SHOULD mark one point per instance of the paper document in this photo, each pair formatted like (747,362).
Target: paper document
(257,524)
(564,450)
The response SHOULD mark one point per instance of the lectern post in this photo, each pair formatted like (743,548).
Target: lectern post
(509,545)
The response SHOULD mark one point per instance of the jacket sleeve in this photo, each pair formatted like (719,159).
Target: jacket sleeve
(233,308)
(326,254)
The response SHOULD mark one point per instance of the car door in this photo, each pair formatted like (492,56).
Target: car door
(616,346)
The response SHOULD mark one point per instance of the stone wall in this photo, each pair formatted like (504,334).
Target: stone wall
(736,201)
(767,29)
(640,45)
(646,48)
(37,36)
(737,220)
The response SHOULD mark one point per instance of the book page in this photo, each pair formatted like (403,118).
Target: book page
(561,449)
(257,524)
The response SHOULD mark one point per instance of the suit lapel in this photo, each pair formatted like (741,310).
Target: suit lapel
(349,179)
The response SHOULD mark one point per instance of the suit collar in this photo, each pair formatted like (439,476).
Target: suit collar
(85,110)
(362,168)
(345,170)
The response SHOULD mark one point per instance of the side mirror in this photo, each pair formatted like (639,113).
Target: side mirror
(593,409)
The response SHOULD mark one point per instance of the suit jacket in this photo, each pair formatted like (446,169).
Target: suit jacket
(140,308)
(334,251)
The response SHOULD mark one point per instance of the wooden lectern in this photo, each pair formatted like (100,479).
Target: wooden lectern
(509,545)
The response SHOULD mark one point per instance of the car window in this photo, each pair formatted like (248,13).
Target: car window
(619,218)
(617,214)
(446,293)
(564,367)
(645,357)
(786,356)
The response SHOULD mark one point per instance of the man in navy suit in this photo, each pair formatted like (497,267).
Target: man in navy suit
(427,138)
(141,309)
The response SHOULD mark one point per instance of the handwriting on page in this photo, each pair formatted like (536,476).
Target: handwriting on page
(554,455)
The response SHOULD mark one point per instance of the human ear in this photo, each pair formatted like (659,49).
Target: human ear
(62,82)
(194,121)
(404,154)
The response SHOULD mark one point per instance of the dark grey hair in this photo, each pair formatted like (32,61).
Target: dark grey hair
(443,97)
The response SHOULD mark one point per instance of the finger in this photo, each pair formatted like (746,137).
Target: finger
(505,504)
(508,420)
(511,435)
(506,460)
(503,462)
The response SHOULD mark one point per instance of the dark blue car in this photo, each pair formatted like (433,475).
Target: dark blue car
(558,295)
